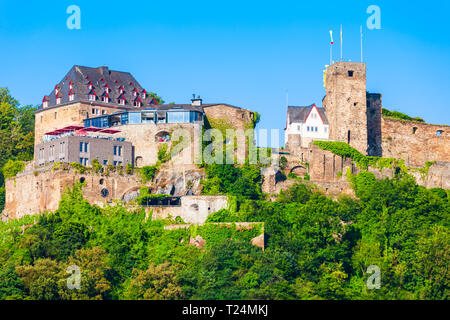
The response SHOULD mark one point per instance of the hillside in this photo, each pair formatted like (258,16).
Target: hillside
(316,247)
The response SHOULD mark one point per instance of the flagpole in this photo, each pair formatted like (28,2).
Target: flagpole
(361,43)
(331,53)
(341,42)
(331,47)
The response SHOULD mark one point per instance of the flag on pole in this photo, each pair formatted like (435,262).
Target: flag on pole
(331,36)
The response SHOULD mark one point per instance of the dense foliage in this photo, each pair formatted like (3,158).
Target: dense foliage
(317,248)
(16,136)
(399,115)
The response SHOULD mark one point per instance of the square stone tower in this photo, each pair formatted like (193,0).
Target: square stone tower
(345,104)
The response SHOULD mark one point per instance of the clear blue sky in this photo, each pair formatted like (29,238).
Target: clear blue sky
(245,53)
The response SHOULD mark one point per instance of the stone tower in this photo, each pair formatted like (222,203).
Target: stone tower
(346,104)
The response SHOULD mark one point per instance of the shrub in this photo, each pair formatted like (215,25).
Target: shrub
(129,168)
(12,168)
(148,173)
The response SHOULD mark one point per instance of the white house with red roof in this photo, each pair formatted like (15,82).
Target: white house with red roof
(305,124)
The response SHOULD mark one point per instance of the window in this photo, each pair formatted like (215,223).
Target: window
(439,133)
(355,104)
(58,100)
(105,162)
(105,99)
(45,104)
(84,146)
(71,97)
(121,101)
(298,128)
(56,114)
(316,129)
(92,97)
(350,73)
(93,111)
(115,150)
(62,147)
(119,151)
(115,163)
(137,103)
(307,128)
(325,129)
(414,130)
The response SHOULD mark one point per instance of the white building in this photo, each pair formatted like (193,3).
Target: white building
(305,124)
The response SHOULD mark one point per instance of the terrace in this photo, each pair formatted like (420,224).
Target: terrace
(150,116)
(91,132)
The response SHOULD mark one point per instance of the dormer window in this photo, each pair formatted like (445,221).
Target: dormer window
(45,102)
(137,102)
(56,89)
(135,92)
(92,97)
(121,100)
(58,100)
(71,95)
(90,85)
(105,97)
(70,85)
(121,89)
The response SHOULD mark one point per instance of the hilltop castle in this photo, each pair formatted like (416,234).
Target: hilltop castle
(351,114)
(105,116)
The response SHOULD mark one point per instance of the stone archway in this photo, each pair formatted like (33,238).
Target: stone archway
(299,171)
(162,136)
(139,161)
(130,194)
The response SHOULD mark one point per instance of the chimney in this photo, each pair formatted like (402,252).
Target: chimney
(196,101)
(103,70)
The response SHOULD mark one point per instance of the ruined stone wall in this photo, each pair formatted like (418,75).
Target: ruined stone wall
(346,105)
(53,118)
(237,117)
(415,142)
(326,166)
(35,192)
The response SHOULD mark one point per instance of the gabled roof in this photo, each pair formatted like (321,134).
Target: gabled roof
(300,114)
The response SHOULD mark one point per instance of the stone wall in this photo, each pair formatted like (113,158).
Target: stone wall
(35,192)
(193,209)
(237,117)
(415,142)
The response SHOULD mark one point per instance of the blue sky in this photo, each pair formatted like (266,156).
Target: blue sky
(245,53)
